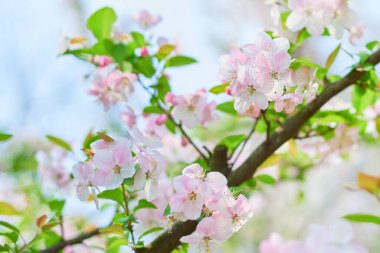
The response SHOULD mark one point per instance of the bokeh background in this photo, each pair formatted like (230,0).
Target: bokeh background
(42,93)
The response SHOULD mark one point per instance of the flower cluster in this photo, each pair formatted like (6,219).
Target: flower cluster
(336,238)
(197,193)
(112,161)
(146,20)
(191,109)
(315,16)
(259,73)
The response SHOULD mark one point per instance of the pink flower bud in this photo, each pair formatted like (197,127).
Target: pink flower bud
(161,119)
(144,51)
(170,98)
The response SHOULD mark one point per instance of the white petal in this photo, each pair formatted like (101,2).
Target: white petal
(296,21)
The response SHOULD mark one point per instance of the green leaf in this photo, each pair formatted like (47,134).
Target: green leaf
(371,45)
(170,126)
(180,60)
(90,138)
(167,210)
(115,229)
(5,137)
(266,179)
(139,39)
(115,195)
(163,87)
(13,236)
(7,209)
(100,23)
(152,230)
(362,98)
(359,217)
(9,226)
(221,88)
(272,160)
(59,142)
(330,60)
(232,142)
(57,206)
(227,107)
(153,109)
(143,203)
(164,51)
(144,65)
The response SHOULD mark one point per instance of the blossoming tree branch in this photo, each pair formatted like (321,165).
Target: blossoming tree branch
(162,204)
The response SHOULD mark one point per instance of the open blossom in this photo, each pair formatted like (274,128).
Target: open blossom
(342,17)
(112,88)
(85,177)
(309,14)
(239,211)
(207,237)
(146,20)
(192,109)
(304,78)
(266,45)
(129,117)
(287,102)
(114,164)
(229,65)
(189,197)
(276,244)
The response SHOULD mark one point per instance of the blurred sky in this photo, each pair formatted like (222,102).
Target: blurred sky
(45,94)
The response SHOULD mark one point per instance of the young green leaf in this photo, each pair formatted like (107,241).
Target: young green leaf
(100,23)
(59,142)
(266,179)
(221,88)
(232,142)
(330,60)
(57,206)
(7,209)
(115,195)
(115,229)
(5,137)
(164,51)
(143,203)
(227,107)
(180,60)
(360,217)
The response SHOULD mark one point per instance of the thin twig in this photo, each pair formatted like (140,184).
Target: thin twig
(253,129)
(268,125)
(130,226)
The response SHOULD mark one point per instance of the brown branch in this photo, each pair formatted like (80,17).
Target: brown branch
(62,244)
(167,241)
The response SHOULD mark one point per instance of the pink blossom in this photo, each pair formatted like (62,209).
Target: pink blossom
(265,44)
(229,65)
(129,117)
(102,61)
(287,102)
(207,237)
(342,17)
(192,109)
(144,51)
(161,119)
(239,211)
(86,180)
(146,20)
(273,68)
(170,98)
(114,164)
(189,197)
(309,14)
(152,165)
(114,87)
(304,77)
(253,111)
(276,244)
(356,32)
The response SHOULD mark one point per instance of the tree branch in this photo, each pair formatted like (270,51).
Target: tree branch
(167,241)
(62,244)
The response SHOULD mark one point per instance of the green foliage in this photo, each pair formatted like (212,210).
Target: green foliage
(59,142)
(227,107)
(115,195)
(362,98)
(221,88)
(100,23)
(179,60)
(143,203)
(266,179)
(372,45)
(232,142)
(57,206)
(5,137)
(164,51)
(150,231)
(144,65)
(365,218)
(330,60)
